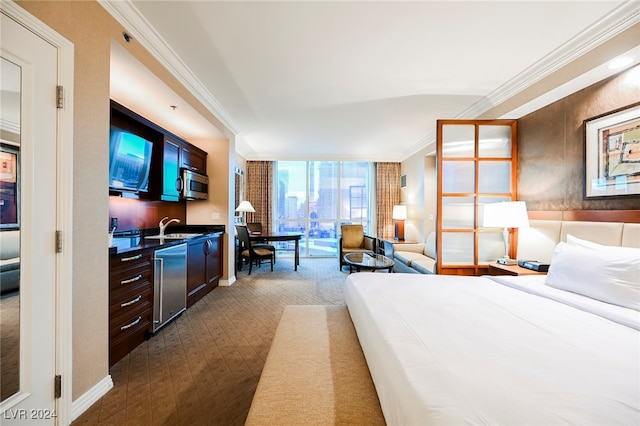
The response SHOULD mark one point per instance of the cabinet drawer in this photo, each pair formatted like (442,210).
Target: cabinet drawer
(130,278)
(137,321)
(129,306)
(122,262)
(128,335)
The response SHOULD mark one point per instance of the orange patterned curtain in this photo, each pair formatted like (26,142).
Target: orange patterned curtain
(258,191)
(387,195)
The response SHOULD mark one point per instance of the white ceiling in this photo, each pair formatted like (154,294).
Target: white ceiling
(354,80)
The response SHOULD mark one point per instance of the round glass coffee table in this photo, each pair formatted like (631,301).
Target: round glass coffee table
(368,261)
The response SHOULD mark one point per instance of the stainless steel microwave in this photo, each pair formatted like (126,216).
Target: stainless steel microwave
(195,186)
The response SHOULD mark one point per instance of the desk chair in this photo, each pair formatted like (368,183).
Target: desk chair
(256,228)
(251,252)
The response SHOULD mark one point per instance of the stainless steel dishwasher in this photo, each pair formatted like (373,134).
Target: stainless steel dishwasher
(170,284)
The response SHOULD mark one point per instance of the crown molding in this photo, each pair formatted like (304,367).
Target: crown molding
(128,15)
(611,25)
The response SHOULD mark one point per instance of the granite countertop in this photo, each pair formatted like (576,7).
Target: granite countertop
(128,241)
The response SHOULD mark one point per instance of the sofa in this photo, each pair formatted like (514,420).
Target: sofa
(416,258)
(9,261)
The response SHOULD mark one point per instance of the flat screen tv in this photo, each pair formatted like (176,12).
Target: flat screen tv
(129,161)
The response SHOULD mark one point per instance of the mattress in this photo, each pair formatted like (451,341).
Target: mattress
(471,350)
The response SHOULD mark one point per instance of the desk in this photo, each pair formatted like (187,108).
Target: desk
(280,236)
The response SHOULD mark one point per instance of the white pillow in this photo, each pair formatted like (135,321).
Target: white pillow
(606,275)
(575,241)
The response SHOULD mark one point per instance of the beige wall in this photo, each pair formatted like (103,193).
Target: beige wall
(91,29)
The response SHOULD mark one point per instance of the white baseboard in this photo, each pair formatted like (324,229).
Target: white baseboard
(227,283)
(90,397)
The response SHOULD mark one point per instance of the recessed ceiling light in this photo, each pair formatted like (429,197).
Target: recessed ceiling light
(620,62)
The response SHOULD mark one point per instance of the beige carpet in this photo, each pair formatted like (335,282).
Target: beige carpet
(203,368)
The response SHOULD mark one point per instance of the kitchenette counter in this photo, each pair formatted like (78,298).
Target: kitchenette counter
(153,280)
(129,241)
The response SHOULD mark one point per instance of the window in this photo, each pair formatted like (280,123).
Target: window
(315,197)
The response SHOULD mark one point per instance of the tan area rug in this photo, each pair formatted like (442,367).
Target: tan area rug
(315,373)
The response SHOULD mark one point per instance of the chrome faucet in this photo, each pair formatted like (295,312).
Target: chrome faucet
(163,225)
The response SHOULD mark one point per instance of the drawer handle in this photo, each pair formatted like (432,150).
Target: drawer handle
(131,302)
(128,259)
(124,327)
(131,280)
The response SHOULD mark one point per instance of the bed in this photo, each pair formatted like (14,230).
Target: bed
(503,350)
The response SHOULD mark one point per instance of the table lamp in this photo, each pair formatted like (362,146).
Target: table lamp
(510,214)
(243,208)
(399,215)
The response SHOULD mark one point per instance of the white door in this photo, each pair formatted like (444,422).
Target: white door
(30,133)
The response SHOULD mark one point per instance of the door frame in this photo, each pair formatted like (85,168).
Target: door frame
(64,209)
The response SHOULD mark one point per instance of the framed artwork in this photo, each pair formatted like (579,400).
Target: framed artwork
(612,153)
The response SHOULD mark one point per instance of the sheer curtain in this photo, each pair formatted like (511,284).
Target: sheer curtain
(387,195)
(258,191)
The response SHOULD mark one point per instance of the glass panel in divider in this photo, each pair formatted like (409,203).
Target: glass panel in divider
(490,247)
(494,177)
(457,248)
(458,212)
(494,141)
(458,177)
(458,141)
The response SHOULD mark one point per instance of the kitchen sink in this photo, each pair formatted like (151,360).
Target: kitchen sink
(173,236)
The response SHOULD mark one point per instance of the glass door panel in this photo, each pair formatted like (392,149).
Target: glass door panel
(458,177)
(458,212)
(457,248)
(494,177)
(458,141)
(490,247)
(494,141)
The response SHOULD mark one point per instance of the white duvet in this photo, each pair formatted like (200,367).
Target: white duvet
(469,350)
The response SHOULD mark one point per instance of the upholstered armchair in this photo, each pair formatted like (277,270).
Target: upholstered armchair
(354,240)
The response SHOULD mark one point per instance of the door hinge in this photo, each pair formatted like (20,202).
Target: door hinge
(57,391)
(59,97)
(58,241)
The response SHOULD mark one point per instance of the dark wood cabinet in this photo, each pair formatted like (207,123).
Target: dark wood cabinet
(177,155)
(171,183)
(170,153)
(193,158)
(130,301)
(204,266)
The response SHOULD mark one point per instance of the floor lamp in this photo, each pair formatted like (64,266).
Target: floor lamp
(511,214)
(399,215)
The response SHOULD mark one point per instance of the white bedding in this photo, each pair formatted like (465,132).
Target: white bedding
(469,350)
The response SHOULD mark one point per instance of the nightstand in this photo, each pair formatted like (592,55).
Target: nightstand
(496,268)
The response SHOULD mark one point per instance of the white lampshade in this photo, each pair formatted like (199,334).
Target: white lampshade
(511,214)
(399,212)
(245,207)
